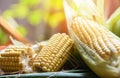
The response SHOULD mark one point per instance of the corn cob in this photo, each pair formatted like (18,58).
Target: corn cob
(54,54)
(14,59)
(99,48)
(100,39)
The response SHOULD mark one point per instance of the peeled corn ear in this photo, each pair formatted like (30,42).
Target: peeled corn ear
(53,55)
(15,58)
(98,47)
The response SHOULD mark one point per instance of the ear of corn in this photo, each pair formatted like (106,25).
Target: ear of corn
(15,59)
(54,54)
(99,48)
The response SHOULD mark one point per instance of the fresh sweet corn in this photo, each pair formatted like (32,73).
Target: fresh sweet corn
(54,54)
(98,47)
(15,58)
(10,63)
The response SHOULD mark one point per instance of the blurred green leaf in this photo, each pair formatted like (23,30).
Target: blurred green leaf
(20,11)
(3,37)
(35,17)
(8,13)
(22,30)
(30,2)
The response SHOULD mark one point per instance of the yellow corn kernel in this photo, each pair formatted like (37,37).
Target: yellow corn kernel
(77,29)
(11,54)
(54,54)
(12,59)
(12,69)
(11,64)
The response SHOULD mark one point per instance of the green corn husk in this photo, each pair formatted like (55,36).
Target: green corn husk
(113,23)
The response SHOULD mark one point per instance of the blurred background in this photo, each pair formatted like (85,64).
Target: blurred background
(37,20)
